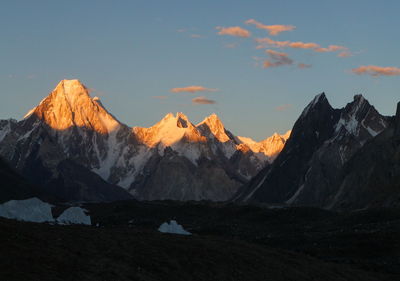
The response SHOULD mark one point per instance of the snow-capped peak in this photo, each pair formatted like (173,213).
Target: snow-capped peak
(359,117)
(170,130)
(70,105)
(215,127)
(269,147)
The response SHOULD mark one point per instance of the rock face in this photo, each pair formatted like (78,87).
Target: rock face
(372,177)
(309,168)
(76,150)
(14,186)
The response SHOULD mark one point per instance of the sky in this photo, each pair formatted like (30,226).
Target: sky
(256,64)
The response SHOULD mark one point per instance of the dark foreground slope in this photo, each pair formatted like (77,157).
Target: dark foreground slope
(44,252)
(229,242)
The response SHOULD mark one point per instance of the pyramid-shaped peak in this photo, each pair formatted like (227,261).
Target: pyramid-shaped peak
(359,98)
(319,101)
(212,120)
(70,86)
(72,90)
(215,127)
(69,105)
(320,98)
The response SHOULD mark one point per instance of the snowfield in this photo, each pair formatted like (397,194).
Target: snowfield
(173,227)
(74,215)
(35,210)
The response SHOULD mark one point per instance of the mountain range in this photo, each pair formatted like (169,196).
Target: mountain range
(73,149)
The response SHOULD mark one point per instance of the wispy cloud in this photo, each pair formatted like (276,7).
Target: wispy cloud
(268,42)
(181,30)
(331,48)
(277,59)
(192,89)
(283,107)
(272,29)
(375,71)
(196,36)
(264,42)
(303,65)
(345,54)
(234,31)
(203,100)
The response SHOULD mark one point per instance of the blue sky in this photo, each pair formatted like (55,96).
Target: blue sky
(132,52)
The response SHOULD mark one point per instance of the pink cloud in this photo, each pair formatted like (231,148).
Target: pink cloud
(203,100)
(277,59)
(331,48)
(192,89)
(264,42)
(283,107)
(233,31)
(303,65)
(344,54)
(283,44)
(272,29)
(375,71)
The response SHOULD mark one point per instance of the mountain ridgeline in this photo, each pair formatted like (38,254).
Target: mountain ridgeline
(71,148)
(335,159)
(74,149)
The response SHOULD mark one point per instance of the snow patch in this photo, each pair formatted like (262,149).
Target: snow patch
(74,215)
(32,210)
(173,227)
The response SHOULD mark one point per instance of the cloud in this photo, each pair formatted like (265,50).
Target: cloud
(283,44)
(302,45)
(283,107)
(303,65)
(160,97)
(277,59)
(376,71)
(182,30)
(233,31)
(203,100)
(331,48)
(344,54)
(272,29)
(196,36)
(265,42)
(192,89)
